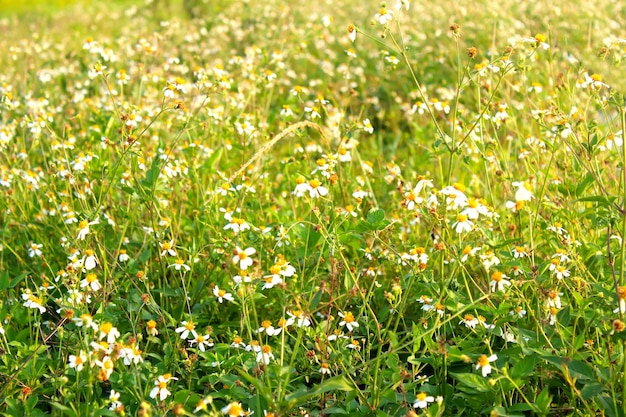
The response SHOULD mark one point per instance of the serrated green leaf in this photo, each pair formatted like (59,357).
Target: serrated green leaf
(590,390)
(580,370)
(543,401)
(375,216)
(524,367)
(338,383)
(473,381)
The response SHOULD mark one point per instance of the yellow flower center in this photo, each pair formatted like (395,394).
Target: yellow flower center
(190,326)
(235,409)
(106,327)
(497,276)
(483,361)
(275,270)
(314,183)
(349,318)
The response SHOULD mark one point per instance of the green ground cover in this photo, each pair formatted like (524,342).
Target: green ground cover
(237,208)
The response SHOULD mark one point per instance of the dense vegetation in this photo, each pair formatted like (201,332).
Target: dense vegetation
(227,208)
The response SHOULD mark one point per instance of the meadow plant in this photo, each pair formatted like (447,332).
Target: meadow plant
(276,209)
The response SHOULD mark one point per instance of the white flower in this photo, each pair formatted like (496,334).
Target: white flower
(89,261)
(265,355)
(524,191)
(554,299)
(367,126)
(384,16)
(484,363)
(299,318)
(78,362)
(186,328)
(325,369)
(222,295)
(114,397)
(233,409)
(179,265)
(203,341)
(160,388)
(35,250)
(302,187)
(462,224)
(352,32)
(242,257)
(83,227)
(123,256)
(266,326)
(91,281)
(109,331)
(469,320)
(422,400)
(316,189)
(348,320)
(32,301)
(167,248)
(499,282)
(402,3)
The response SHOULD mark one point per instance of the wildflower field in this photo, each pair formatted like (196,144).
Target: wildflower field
(274,208)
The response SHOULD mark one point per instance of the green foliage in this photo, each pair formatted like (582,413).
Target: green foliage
(225,208)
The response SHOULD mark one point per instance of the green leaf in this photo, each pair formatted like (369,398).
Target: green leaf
(581,370)
(263,389)
(473,381)
(4,280)
(375,216)
(584,184)
(316,299)
(338,383)
(15,280)
(563,316)
(543,401)
(524,367)
(63,408)
(590,390)
(520,407)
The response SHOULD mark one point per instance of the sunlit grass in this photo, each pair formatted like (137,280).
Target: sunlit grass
(219,208)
